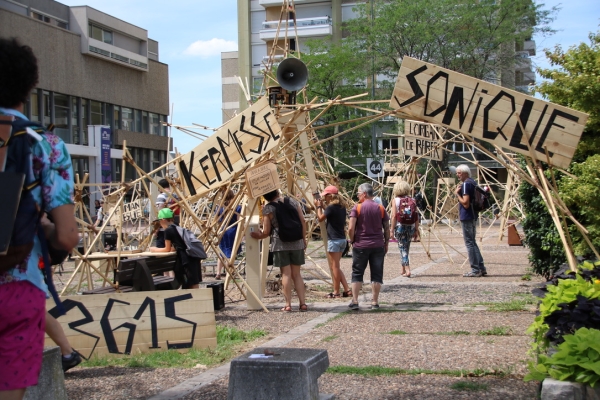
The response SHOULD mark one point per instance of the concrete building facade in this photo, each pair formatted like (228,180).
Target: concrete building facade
(94,70)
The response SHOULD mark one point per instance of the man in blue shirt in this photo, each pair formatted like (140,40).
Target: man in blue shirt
(468,219)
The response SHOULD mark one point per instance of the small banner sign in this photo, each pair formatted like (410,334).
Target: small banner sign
(422,140)
(262,179)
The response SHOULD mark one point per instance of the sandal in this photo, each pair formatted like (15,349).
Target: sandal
(303,308)
(218,277)
(347,293)
(287,309)
(332,296)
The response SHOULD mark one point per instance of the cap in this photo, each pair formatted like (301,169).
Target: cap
(165,213)
(329,190)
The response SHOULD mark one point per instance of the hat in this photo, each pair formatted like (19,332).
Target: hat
(165,213)
(329,190)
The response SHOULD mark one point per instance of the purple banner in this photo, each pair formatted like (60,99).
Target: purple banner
(105,154)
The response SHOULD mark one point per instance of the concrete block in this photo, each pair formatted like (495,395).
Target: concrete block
(592,393)
(561,390)
(291,374)
(51,383)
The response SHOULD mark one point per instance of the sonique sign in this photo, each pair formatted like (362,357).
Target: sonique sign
(487,111)
(242,140)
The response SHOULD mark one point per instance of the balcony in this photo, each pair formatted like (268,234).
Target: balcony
(273,3)
(529,46)
(307,27)
(522,61)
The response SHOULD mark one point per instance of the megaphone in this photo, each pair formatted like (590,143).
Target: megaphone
(292,74)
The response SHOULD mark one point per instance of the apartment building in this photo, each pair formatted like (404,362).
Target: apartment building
(96,71)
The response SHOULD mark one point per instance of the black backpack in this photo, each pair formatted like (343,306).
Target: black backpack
(481,200)
(27,221)
(288,220)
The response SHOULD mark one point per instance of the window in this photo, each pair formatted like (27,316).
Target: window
(154,124)
(75,121)
(460,147)
(46,108)
(41,17)
(138,120)
(164,129)
(101,34)
(127,119)
(116,117)
(84,121)
(145,122)
(61,117)
(97,112)
(34,106)
(388,146)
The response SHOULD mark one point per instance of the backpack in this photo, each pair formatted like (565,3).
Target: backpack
(27,221)
(481,200)
(406,211)
(194,247)
(288,220)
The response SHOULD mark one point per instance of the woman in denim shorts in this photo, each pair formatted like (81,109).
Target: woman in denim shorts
(336,216)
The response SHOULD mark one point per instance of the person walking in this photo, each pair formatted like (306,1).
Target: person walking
(465,192)
(335,214)
(369,233)
(405,222)
(49,180)
(228,238)
(287,255)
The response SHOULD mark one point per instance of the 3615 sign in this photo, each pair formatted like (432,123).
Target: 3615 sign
(122,323)
(487,111)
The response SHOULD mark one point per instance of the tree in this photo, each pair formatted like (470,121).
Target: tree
(476,38)
(576,84)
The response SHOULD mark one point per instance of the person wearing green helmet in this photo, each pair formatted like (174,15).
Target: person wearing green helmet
(187,269)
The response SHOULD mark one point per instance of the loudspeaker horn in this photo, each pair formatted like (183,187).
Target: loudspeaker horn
(292,74)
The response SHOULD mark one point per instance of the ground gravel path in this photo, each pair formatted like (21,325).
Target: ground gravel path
(434,321)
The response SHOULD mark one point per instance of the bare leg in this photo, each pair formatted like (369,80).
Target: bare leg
(337,272)
(356,288)
(299,284)
(56,333)
(196,286)
(286,281)
(334,274)
(376,288)
(220,268)
(16,394)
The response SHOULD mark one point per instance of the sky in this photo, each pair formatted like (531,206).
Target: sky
(193,33)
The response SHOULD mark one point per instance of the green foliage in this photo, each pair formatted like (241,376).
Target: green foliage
(580,194)
(470,386)
(577,359)
(228,341)
(468,37)
(397,332)
(330,338)
(519,304)
(454,333)
(565,291)
(546,252)
(376,370)
(496,331)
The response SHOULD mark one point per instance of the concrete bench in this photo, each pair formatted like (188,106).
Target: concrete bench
(290,374)
(51,383)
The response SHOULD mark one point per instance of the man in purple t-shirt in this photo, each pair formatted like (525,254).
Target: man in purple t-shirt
(369,233)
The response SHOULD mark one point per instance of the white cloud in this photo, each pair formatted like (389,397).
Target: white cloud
(212,47)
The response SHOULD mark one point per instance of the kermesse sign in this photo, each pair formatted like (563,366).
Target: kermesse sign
(421,140)
(126,323)
(241,141)
(487,111)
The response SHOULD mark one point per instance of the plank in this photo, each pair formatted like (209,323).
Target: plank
(425,88)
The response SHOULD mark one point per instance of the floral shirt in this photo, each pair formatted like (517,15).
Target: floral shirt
(51,164)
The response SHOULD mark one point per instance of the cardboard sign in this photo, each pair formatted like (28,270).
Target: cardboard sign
(233,147)
(262,179)
(123,323)
(487,111)
(421,140)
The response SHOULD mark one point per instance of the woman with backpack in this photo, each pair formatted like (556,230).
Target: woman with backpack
(284,221)
(187,269)
(404,223)
(336,216)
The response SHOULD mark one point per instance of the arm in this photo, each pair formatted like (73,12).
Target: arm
(320,212)
(63,233)
(351,227)
(392,217)
(167,249)
(266,230)
(463,199)
(386,234)
(303,222)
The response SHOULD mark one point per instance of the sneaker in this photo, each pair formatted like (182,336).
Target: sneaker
(473,274)
(73,361)
(374,306)
(484,273)
(353,306)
